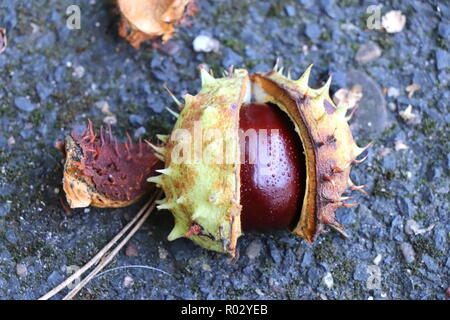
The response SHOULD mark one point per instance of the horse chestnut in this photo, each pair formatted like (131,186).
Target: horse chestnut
(272,187)
(102,172)
(212,202)
(213,185)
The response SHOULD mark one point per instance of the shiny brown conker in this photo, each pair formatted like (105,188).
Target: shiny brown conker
(273,184)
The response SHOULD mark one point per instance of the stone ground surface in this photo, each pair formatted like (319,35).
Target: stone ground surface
(53,79)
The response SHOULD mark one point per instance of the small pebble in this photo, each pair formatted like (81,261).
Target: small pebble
(313,31)
(54,278)
(394,21)
(43,91)
(290,10)
(411,89)
(11,141)
(204,43)
(392,106)
(442,59)
(400,145)
(408,252)
(128,282)
(131,250)
(430,263)
(411,227)
(206,267)
(11,237)
(78,72)
(259,292)
(163,253)
(21,270)
(447,292)
(253,249)
(170,48)
(103,106)
(328,280)
(135,120)
(139,132)
(368,52)
(5,208)
(24,104)
(377,259)
(393,92)
(111,120)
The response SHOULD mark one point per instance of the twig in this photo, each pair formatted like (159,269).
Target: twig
(113,253)
(131,267)
(100,254)
(65,207)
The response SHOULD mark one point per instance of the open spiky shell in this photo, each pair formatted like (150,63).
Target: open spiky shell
(204,195)
(328,144)
(101,171)
(329,149)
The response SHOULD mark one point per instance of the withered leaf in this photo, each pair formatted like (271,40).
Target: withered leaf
(3,40)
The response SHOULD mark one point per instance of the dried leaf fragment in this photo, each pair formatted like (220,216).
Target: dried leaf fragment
(400,145)
(348,98)
(408,115)
(411,89)
(143,20)
(3,40)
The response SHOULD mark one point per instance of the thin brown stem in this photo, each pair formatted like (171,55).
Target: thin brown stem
(101,253)
(104,262)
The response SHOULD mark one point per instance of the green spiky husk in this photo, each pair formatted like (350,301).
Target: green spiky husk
(203,191)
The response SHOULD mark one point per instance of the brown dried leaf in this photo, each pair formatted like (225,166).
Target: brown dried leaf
(411,89)
(3,40)
(149,19)
(349,98)
(131,250)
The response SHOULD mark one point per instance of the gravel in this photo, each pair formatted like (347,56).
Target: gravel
(442,59)
(254,249)
(367,52)
(24,104)
(45,94)
(408,252)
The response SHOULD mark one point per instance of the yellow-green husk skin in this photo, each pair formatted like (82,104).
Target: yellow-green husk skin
(205,191)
